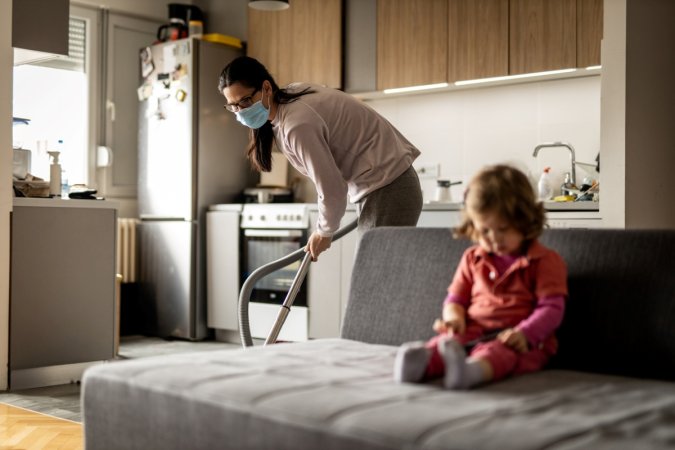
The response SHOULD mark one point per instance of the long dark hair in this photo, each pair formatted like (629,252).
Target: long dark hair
(250,73)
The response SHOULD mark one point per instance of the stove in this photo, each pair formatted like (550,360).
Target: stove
(275,215)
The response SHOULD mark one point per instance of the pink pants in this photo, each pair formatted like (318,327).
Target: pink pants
(503,359)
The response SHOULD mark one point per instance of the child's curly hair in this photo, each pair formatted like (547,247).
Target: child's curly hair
(506,191)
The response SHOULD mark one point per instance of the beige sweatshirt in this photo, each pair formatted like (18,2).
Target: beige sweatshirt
(341,144)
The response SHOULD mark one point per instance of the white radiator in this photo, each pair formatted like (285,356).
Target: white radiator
(126,249)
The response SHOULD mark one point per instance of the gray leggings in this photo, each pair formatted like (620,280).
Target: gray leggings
(395,205)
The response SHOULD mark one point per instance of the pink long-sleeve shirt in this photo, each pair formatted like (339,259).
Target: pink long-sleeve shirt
(346,148)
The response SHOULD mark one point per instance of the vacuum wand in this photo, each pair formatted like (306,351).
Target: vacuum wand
(249,283)
(290,298)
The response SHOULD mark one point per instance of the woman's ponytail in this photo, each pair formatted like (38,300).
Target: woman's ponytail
(260,148)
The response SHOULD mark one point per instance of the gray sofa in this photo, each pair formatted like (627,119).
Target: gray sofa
(610,387)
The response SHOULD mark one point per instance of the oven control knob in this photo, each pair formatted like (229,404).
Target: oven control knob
(262,217)
(298,217)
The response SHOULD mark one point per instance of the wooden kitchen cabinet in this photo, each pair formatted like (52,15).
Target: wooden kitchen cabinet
(542,35)
(478,39)
(301,43)
(485,38)
(412,42)
(589,32)
(269,42)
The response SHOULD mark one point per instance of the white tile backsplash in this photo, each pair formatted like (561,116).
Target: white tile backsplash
(465,130)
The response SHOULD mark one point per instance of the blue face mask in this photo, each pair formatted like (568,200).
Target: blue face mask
(254,116)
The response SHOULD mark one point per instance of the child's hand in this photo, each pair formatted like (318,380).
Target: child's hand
(455,325)
(514,339)
(452,322)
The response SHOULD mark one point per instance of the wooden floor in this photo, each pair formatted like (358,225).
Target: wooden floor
(28,430)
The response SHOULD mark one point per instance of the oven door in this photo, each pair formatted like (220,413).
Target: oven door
(262,246)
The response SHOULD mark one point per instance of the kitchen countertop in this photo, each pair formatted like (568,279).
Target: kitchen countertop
(572,206)
(63,203)
(548,206)
(442,206)
(434,206)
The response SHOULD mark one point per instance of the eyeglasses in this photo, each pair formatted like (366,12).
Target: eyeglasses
(242,104)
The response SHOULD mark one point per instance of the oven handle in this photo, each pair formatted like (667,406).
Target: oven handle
(247,288)
(272,233)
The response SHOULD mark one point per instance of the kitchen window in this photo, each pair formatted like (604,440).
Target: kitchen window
(59,97)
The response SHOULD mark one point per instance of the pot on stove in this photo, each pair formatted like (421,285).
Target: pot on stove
(268,194)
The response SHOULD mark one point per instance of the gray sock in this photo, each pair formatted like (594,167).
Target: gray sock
(473,373)
(454,357)
(411,362)
(460,372)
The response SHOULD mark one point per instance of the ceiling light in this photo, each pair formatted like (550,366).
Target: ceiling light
(269,5)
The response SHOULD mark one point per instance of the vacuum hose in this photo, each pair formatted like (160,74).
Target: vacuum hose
(247,287)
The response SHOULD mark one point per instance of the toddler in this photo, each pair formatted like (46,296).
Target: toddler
(507,296)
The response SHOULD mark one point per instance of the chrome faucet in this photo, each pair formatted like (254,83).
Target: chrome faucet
(573,173)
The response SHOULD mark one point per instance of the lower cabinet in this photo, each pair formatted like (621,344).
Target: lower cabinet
(328,282)
(574,219)
(62,303)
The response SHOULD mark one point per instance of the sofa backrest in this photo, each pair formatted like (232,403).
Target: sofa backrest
(620,314)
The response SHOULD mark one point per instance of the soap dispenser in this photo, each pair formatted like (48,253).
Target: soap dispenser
(54,175)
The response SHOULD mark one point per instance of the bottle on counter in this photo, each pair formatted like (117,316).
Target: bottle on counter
(544,186)
(65,187)
(54,174)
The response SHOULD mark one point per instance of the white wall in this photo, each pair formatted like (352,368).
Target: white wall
(6,63)
(613,138)
(466,129)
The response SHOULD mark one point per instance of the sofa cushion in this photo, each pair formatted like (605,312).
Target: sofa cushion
(399,281)
(621,309)
(620,312)
(339,394)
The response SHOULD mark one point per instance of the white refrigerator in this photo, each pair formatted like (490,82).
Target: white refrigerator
(191,155)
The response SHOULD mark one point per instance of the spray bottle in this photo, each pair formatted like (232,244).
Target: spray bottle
(55,175)
(544,187)
(65,187)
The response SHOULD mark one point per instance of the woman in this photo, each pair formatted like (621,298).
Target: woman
(342,145)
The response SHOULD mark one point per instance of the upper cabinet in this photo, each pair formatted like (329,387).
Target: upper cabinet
(542,35)
(589,32)
(485,38)
(400,43)
(478,39)
(301,43)
(412,43)
(41,25)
